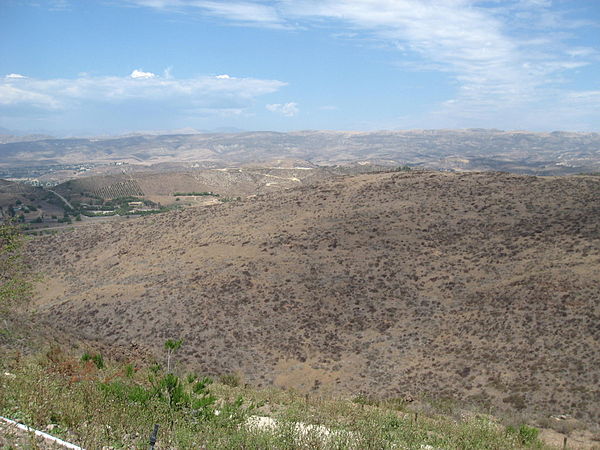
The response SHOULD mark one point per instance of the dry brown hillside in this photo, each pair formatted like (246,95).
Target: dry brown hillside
(479,286)
(160,186)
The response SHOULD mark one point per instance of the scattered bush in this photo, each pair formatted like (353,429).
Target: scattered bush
(96,358)
(527,435)
(230,379)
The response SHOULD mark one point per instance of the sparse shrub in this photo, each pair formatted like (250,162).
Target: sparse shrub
(396,404)
(527,435)
(96,358)
(191,377)
(98,361)
(363,399)
(15,285)
(230,379)
(516,400)
(122,391)
(129,371)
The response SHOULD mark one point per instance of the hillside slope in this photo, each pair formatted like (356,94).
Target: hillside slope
(478,286)
(161,186)
(556,153)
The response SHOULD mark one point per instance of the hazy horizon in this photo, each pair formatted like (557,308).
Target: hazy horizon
(225,130)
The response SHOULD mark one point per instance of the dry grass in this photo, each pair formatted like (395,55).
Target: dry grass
(59,393)
(480,287)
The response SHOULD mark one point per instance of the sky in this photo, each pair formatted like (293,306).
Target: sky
(97,67)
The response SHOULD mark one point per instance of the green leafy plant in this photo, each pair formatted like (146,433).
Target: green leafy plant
(195,397)
(129,370)
(526,434)
(171,387)
(96,358)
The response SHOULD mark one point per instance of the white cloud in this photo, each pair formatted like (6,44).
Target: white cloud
(15,76)
(460,38)
(223,77)
(13,95)
(286,109)
(205,92)
(501,54)
(138,74)
(240,12)
(245,12)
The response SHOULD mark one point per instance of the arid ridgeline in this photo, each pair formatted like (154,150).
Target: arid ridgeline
(480,286)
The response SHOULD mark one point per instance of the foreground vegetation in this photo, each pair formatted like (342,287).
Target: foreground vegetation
(94,403)
(15,285)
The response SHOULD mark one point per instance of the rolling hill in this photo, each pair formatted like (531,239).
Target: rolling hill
(478,286)
(160,186)
(553,153)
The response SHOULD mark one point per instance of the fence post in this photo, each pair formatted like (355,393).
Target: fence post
(153,436)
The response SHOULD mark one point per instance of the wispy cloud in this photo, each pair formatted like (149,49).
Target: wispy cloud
(207,92)
(286,109)
(480,47)
(59,5)
(503,56)
(244,12)
(237,12)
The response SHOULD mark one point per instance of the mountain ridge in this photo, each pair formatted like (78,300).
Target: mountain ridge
(520,151)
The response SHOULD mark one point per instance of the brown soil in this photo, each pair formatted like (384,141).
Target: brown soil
(482,287)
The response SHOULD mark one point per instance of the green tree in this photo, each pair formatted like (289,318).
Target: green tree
(15,283)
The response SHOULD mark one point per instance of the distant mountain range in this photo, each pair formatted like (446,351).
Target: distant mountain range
(555,153)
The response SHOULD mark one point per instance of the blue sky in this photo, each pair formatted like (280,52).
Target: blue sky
(114,66)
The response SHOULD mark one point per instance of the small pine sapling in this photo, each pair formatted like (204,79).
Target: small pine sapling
(171,346)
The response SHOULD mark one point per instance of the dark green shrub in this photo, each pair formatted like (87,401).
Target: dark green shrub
(97,359)
(171,387)
(526,434)
(132,393)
